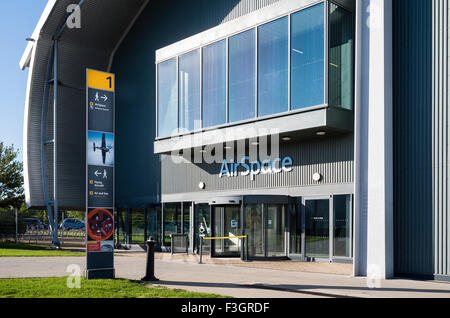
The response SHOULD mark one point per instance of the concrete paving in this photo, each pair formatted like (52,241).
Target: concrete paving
(232,280)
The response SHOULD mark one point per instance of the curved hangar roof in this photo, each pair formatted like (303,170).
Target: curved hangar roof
(104,23)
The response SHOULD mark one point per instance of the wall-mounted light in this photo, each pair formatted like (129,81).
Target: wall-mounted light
(321,133)
(317,177)
(202,185)
(286,138)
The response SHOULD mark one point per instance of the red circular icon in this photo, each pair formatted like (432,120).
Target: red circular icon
(100,224)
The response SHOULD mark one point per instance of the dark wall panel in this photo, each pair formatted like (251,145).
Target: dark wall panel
(413,137)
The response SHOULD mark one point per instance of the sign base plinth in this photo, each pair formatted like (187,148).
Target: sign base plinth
(106,273)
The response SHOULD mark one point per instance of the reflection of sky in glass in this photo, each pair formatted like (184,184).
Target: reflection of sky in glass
(214,84)
(307,57)
(95,158)
(167,98)
(242,76)
(273,45)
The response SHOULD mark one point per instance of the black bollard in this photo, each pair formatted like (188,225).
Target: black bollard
(150,270)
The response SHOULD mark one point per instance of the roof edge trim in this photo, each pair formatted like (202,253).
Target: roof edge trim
(26,57)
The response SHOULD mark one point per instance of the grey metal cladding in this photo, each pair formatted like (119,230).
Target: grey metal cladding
(103,24)
(246,6)
(421,196)
(332,157)
(440,136)
(413,199)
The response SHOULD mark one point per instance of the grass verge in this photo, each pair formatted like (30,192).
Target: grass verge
(23,250)
(56,287)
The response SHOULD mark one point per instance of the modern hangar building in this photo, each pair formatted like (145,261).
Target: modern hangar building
(354,94)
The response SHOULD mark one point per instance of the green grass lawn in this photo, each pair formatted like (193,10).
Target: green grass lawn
(101,288)
(23,250)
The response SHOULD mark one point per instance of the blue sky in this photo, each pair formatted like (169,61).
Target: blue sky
(18,19)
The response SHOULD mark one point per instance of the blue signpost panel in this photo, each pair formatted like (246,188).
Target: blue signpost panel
(100,99)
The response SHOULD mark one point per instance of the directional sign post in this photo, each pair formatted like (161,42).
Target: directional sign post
(100,99)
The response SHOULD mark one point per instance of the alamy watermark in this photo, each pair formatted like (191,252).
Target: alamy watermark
(74,19)
(74,279)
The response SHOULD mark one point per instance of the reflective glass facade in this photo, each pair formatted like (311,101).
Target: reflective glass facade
(273,68)
(340,81)
(214,91)
(307,57)
(242,64)
(167,98)
(189,91)
(273,63)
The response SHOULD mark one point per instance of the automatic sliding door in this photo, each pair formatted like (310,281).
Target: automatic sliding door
(226,224)
(275,230)
(254,228)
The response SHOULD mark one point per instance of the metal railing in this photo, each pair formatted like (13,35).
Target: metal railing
(39,234)
(179,243)
(244,242)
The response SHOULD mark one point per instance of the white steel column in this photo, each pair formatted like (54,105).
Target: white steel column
(373,141)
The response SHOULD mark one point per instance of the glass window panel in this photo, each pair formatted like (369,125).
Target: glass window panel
(202,220)
(167,98)
(242,76)
(154,224)
(137,226)
(340,58)
(172,221)
(189,95)
(273,67)
(342,206)
(214,84)
(121,226)
(295,223)
(307,57)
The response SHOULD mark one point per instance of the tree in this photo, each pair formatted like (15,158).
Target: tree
(11,178)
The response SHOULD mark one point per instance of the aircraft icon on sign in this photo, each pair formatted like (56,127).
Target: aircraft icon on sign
(104,149)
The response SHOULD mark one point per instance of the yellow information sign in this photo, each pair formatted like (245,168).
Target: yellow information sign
(100,80)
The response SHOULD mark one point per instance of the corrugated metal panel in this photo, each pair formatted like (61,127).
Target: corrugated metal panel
(421,160)
(440,136)
(246,6)
(413,199)
(332,157)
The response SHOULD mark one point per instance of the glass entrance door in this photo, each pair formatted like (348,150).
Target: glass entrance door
(226,223)
(254,228)
(265,226)
(317,228)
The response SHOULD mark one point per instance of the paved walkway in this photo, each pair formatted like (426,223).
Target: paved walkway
(232,280)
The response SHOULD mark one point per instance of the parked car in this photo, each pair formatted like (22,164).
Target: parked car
(73,224)
(34,222)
